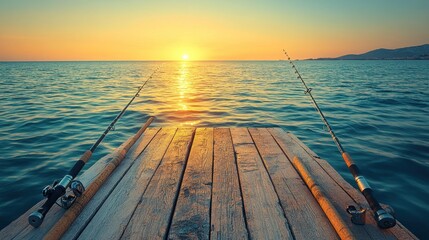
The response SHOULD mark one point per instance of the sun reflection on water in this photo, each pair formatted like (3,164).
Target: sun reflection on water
(184,89)
(183,86)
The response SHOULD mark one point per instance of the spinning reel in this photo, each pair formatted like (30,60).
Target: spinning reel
(67,199)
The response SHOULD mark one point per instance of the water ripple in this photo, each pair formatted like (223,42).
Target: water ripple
(52,112)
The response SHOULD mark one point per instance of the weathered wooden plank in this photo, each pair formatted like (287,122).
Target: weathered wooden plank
(305,217)
(118,208)
(325,203)
(399,231)
(21,229)
(153,214)
(264,215)
(94,205)
(191,219)
(339,198)
(227,218)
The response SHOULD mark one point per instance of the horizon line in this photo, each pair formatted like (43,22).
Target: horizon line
(235,60)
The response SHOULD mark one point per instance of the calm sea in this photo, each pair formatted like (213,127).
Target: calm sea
(51,112)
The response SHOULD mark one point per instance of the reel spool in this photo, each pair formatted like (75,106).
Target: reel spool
(69,198)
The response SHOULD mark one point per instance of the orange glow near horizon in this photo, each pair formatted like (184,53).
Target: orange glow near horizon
(158,30)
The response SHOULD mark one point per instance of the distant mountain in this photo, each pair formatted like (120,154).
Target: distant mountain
(406,53)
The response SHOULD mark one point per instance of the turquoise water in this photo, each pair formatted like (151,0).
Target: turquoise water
(51,112)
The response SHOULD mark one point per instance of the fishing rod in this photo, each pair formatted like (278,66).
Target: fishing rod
(382,217)
(58,189)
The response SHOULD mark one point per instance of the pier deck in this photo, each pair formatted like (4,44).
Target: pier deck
(218,183)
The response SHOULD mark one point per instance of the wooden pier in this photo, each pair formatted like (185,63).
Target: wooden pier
(211,183)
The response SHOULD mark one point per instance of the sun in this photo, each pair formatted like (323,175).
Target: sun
(185,57)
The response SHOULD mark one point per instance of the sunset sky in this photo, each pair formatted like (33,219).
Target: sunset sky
(206,30)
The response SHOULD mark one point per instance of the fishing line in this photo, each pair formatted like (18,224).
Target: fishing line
(383,218)
(58,189)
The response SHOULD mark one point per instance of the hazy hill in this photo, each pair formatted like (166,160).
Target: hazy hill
(406,53)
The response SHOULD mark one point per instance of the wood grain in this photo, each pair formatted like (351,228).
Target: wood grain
(191,218)
(305,217)
(264,215)
(227,215)
(153,214)
(118,208)
(236,184)
(325,203)
(104,192)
